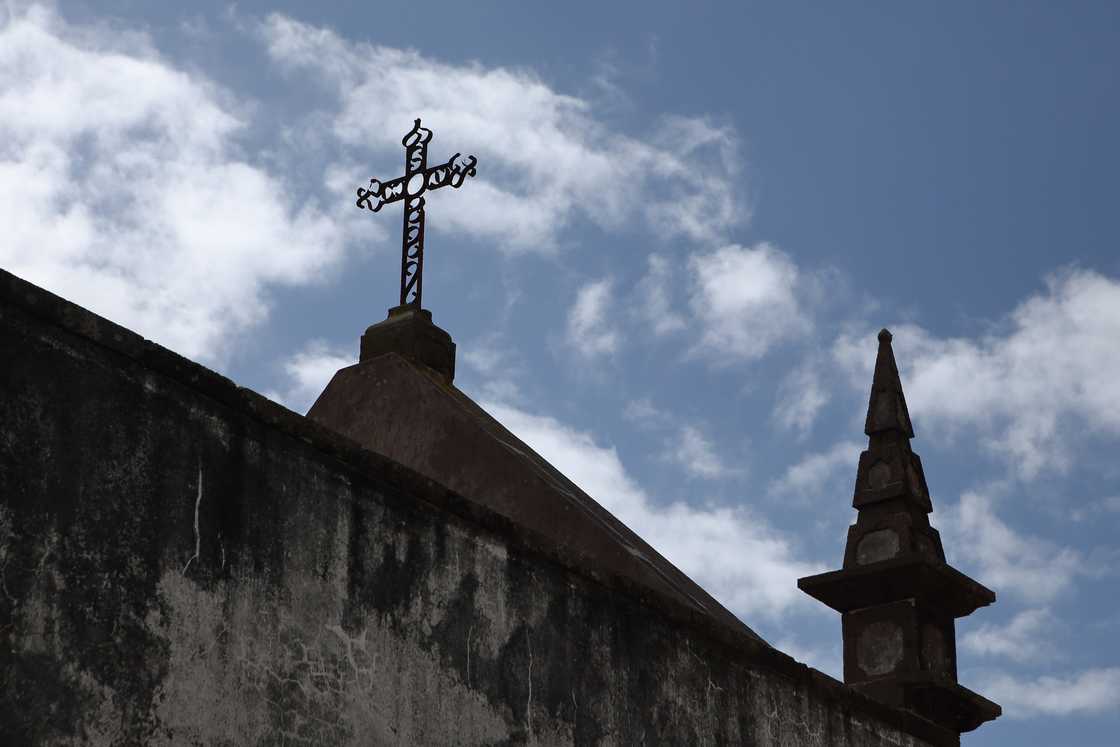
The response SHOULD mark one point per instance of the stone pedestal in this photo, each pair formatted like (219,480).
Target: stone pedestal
(410,333)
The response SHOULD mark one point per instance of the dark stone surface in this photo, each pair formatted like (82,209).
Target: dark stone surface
(184,562)
(907,576)
(410,333)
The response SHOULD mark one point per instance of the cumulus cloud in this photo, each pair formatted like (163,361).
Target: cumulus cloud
(123,187)
(543,156)
(1096,509)
(746,301)
(487,359)
(695,452)
(654,302)
(499,368)
(1032,568)
(308,373)
(685,444)
(590,331)
(815,474)
(1027,394)
(1082,693)
(1023,638)
(645,414)
(801,395)
(825,658)
(751,567)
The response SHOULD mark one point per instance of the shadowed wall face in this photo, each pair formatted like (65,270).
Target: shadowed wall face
(182,562)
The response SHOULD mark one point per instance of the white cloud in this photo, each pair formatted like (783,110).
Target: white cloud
(1032,568)
(645,414)
(685,444)
(654,303)
(497,365)
(827,659)
(693,451)
(733,553)
(746,301)
(123,187)
(1091,691)
(590,332)
(1092,509)
(309,371)
(815,474)
(1028,394)
(543,156)
(801,395)
(1023,638)
(485,358)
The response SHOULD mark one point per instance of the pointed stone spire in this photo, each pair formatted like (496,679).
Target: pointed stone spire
(886,410)
(889,469)
(897,596)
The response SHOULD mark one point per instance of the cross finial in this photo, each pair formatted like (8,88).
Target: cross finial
(417,180)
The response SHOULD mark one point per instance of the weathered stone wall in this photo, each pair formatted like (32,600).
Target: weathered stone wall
(183,562)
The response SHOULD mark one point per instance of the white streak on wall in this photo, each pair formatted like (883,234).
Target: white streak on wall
(529,704)
(470,632)
(197,537)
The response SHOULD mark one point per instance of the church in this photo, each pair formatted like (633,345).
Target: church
(184,562)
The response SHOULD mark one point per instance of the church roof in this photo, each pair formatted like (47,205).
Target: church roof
(413,414)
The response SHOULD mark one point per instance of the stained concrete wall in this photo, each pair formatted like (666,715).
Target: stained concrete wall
(183,562)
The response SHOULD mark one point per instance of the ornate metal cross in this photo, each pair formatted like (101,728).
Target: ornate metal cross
(417,180)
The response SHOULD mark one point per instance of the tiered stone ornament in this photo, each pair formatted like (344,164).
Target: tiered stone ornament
(897,596)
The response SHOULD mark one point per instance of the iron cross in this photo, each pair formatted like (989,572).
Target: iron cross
(417,180)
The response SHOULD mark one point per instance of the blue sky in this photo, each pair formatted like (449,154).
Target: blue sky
(688,224)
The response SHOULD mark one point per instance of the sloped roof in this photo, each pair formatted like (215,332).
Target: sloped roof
(413,415)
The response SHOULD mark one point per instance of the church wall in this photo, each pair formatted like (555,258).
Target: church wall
(185,563)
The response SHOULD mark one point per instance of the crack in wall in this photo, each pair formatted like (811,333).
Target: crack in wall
(470,632)
(197,536)
(529,703)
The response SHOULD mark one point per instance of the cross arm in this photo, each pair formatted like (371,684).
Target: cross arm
(384,192)
(452,173)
